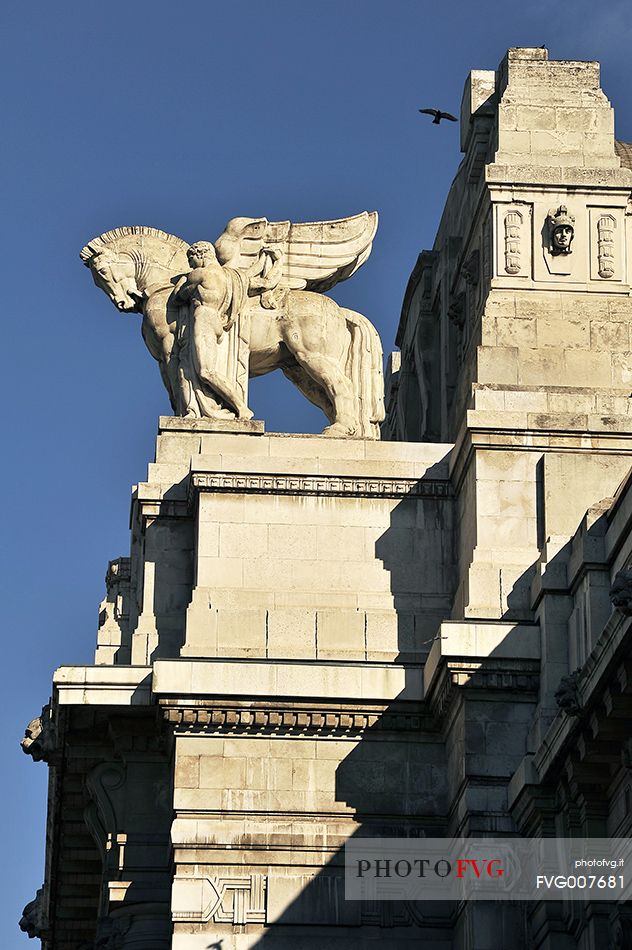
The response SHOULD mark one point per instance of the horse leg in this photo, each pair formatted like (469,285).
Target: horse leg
(324,371)
(315,332)
(166,373)
(316,394)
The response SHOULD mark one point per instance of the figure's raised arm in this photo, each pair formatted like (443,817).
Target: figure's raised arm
(267,271)
(315,255)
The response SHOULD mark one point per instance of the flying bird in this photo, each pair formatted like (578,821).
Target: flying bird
(438,115)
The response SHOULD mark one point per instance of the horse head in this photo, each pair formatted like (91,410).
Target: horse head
(126,262)
(116,276)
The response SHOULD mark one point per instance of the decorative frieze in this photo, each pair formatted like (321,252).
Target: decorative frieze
(336,486)
(290,721)
(243,900)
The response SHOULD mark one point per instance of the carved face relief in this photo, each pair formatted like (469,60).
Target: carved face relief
(562,238)
(562,230)
(117,278)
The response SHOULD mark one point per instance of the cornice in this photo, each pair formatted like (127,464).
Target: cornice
(474,436)
(319,485)
(291,719)
(518,677)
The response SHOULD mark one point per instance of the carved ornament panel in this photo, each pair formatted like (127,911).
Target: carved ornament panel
(513,240)
(607,245)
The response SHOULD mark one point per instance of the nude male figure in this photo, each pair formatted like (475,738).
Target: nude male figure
(207,291)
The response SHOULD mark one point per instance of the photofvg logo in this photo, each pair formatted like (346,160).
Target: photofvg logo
(424,867)
(486,868)
(427,868)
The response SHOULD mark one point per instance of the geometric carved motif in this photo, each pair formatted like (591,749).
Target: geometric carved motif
(396,913)
(242,900)
(224,900)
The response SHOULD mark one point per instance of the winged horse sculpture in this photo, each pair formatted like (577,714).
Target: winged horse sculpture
(216,314)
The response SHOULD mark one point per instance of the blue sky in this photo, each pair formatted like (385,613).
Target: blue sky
(182,117)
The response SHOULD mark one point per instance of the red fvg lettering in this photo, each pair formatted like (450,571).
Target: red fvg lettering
(478,867)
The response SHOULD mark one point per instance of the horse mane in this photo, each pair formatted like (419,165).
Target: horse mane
(98,244)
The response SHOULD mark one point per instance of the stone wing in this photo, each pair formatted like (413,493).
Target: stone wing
(316,254)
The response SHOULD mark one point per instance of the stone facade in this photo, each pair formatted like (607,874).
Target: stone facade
(315,638)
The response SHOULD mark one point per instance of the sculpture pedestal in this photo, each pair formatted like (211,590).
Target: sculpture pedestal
(279,546)
(317,548)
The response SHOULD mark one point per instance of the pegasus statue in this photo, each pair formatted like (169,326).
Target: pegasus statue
(252,302)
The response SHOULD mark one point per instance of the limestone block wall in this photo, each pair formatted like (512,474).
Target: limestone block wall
(277,763)
(554,109)
(559,353)
(243,803)
(497,511)
(273,546)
